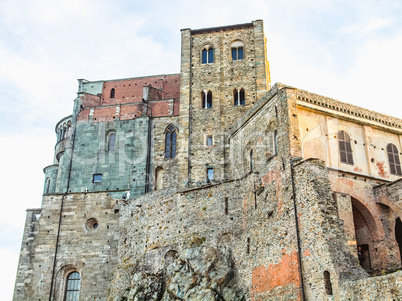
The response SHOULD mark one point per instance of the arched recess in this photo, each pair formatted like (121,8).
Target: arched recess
(61,281)
(270,138)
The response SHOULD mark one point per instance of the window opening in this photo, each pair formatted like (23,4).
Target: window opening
(206,99)
(112,141)
(226,206)
(207,56)
(210,174)
(112,93)
(327,283)
(393,159)
(73,287)
(248,245)
(345,148)
(97,178)
(239,98)
(170,142)
(209,141)
(237,53)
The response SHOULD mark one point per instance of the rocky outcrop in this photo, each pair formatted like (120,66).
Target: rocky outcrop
(198,273)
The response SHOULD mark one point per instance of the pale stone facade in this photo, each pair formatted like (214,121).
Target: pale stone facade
(138,216)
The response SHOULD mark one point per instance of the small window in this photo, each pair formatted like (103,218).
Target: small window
(112,141)
(239,98)
(73,287)
(210,174)
(345,148)
(170,141)
(97,178)
(206,99)
(112,93)
(393,159)
(209,141)
(207,55)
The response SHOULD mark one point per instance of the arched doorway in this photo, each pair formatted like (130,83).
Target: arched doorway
(364,225)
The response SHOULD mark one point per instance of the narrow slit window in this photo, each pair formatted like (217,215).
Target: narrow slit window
(275,142)
(393,160)
(251,160)
(345,148)
(327,283)
(112,93)
(248,245)
(226,206)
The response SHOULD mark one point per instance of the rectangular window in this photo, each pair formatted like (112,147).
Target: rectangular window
(210,173)
(97,178)
(209,141)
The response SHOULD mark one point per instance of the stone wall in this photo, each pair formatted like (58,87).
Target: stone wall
(90,250)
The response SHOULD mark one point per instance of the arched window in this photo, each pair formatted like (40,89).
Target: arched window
(207,55)
(393,159)
(238,97)
(206,99)
(170,141)
(345,148)
(68,128)
(112,93)
(73,287)
(237,50)
(159,178)
(111,142)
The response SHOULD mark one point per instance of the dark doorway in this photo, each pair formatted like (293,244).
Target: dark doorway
(398,234)
(364,257)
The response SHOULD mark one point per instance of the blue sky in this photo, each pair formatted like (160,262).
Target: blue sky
(347,50)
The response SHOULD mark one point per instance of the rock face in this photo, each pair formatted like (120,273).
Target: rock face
(199,273)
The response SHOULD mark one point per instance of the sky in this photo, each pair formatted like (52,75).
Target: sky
(347,50)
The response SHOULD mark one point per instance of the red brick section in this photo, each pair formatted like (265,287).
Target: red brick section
(284,273)
(127,103)
(130,90)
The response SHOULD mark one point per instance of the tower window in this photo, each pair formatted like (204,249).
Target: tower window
(251,160)
(207,55)
(345,148)
(275,142)
(393,159)
(73,287)
(111,142)
(170,141)
(206,99)
(97,178)
(112,93)
(238,97)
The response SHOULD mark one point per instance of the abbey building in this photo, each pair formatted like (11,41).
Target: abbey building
(212,185)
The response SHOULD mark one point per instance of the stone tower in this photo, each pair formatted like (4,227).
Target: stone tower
(224,70)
